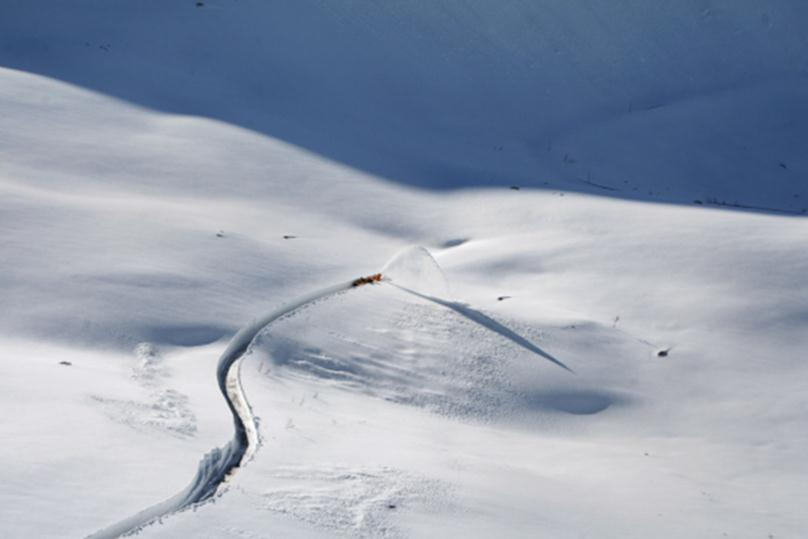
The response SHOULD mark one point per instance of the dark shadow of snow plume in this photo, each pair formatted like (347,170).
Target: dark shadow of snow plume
(487,322)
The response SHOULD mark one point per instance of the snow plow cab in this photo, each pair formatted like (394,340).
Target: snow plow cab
(375,278)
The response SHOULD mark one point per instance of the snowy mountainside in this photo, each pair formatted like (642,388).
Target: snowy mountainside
(169,173)
(693,100)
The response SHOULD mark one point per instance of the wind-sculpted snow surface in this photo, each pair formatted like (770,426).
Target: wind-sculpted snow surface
(218,464)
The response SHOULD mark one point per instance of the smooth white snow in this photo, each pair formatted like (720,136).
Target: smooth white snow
(170,172)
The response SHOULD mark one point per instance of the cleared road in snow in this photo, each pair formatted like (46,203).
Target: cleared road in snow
(220,463)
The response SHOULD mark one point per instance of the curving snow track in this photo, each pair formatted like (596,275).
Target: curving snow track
(220,463)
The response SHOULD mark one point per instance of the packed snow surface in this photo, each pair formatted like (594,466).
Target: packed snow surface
(616,188)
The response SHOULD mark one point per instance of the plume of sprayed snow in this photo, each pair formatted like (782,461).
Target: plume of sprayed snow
(415,268)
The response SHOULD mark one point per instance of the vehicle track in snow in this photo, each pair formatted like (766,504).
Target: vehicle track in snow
(218,465)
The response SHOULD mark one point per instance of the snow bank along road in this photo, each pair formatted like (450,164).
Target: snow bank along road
(220,463)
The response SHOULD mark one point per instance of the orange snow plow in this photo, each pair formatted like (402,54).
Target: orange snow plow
(376,278)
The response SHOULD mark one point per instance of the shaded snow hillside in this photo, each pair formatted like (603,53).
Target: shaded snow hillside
(696,100)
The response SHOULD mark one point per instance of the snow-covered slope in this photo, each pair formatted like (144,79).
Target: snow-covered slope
(690,100)
(170,172)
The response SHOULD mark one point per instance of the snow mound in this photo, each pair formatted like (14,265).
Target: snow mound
(415,268)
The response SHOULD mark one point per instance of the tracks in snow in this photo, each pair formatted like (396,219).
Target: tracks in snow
(221,463)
